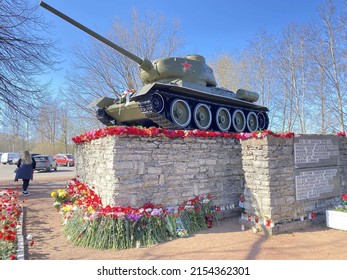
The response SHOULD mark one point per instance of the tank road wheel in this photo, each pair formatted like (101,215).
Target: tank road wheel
(202,116)
(252,122)
(223,119)
(180,113)
(238,121)
(262,120)
(158,103)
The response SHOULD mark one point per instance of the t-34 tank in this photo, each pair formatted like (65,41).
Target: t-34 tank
(178,93)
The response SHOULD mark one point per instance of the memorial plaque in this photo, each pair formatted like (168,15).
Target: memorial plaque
(316,151)
(316,183)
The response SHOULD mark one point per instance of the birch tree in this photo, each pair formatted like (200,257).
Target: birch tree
(332,61)
(226,71)
(260,60)
(293,65)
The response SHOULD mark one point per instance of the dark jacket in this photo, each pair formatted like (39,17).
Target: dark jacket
(25,171)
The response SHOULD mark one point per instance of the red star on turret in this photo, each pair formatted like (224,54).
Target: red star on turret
(186,65)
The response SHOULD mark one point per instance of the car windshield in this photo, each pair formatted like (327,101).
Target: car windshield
(69,156)
(41,158)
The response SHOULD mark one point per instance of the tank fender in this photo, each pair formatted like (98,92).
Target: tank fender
(247,95)
(102,102)
(142,91)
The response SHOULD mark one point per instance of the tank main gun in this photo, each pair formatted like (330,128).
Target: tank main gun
(144,63)
(164,70)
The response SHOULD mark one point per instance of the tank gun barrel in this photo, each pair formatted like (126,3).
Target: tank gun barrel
(144,63)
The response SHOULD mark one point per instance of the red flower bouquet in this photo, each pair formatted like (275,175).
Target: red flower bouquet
(10,211)
(88,223)
(169,133)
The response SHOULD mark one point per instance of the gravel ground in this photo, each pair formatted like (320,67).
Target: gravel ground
(222,242)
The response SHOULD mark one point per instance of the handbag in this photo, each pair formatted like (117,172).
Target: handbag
(15,171)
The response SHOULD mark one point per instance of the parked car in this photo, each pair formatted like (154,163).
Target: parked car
(10,158)
(45,162)
(64,159)
(35,155)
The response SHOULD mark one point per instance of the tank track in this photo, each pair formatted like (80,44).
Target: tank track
(146,107)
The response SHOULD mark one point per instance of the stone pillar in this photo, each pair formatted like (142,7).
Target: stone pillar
(343,163)
(269,183)
(270,190)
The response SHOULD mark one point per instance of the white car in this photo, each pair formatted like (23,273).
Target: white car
(10,158)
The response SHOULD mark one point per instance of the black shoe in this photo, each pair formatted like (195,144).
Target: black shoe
(26,193)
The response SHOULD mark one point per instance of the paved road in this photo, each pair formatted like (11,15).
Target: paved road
(7,174)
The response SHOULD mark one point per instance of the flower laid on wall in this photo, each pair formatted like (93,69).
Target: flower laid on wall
(10,210)
(88,223)
(161,132)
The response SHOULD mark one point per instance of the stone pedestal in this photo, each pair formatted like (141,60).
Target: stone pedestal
(132,170)
(272,173)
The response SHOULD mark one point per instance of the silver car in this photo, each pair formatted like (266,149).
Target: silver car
(46,163)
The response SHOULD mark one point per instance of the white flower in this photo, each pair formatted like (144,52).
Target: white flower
(29,237)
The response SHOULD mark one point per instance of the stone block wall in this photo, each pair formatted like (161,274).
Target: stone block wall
(270,193)
(131,170)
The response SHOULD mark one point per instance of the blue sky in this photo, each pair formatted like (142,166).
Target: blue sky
(207,27)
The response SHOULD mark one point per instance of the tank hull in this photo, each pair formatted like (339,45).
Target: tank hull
(155,104)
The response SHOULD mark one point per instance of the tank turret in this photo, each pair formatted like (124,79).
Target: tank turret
(178,93)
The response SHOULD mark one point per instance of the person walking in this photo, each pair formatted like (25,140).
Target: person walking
(26,166)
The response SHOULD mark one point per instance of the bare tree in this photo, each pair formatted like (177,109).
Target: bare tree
(24,54)
(320,86)
(102,71)
(332,59)
(260,56)
(294,67)
(226,71)
(48,124)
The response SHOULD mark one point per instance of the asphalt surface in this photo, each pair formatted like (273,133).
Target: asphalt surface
(7,173)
